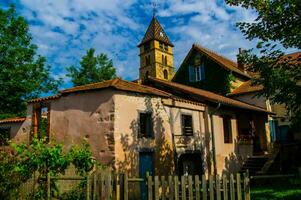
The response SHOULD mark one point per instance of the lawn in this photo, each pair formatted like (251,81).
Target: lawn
(286,189)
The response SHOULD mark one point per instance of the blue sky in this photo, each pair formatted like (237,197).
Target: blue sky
(65,29)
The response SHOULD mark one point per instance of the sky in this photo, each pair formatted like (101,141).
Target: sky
(64,29)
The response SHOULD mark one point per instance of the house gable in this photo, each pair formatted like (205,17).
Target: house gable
(217,74)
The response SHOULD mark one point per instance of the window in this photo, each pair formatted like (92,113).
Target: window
(145,125)
(196,73)
(163,46)
(147,60)
(4,135)
(227,129)
(165,73)
(187,128)
(164,60)
(147,47)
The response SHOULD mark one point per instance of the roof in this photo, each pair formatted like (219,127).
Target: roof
(245,88)
(296,56)
(44,99)
(155,32)
(223,61)
(12,120)
(118,84)
(115,83)
(206,95)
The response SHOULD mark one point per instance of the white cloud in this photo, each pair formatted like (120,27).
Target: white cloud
(65,29)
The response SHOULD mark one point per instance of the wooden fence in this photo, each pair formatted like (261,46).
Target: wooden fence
(105,185)
(109,186)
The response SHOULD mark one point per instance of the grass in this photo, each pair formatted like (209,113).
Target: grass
(285,189)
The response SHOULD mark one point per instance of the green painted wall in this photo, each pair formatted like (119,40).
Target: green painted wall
(217,79)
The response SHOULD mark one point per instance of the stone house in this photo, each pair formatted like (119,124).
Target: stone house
(162,123)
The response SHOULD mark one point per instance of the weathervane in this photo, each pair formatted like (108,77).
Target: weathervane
(154,4)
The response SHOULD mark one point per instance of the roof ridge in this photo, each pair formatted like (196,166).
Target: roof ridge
(212,51)
(85,85)
(145,86)
(214,94)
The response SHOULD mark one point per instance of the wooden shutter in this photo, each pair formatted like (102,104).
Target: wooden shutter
(191,74)
(202,71)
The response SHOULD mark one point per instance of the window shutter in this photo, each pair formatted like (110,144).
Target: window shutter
(191,74)
(202,71)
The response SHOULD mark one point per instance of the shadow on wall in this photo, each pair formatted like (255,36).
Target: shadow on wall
(234,161)
(132,144)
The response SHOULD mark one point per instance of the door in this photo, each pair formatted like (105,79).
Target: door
(145,165)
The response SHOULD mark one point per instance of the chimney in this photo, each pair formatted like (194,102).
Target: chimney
(240,65)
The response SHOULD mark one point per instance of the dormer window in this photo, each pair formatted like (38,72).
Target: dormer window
(197,73)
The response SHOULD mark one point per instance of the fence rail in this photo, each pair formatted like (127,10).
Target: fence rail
(103,185)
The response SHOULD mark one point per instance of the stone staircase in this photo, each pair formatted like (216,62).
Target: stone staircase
(255,164)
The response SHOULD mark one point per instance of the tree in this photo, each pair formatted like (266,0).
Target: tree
(92,69)
(23,74)
(276,27)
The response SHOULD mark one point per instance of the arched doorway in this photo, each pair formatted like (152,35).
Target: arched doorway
(165,74)
(190,163)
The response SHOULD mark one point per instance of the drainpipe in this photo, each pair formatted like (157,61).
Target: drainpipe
(213,137)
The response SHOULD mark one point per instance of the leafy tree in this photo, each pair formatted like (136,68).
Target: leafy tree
(277,26)
(17,167)
(92,69)
(23,74)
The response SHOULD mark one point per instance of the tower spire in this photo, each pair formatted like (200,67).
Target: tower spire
(154,4)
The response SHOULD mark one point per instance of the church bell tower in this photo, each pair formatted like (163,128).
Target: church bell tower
(156,53)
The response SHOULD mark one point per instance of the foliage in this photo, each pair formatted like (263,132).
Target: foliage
(42,158)
(288,189)
(23,74)
(9,178)
(276,27)
(92,69)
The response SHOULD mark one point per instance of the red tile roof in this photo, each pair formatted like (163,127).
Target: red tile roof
(155,32)
(205,95)
(12,120)
(44,99)
(221,60)
(116,83)
(245,88)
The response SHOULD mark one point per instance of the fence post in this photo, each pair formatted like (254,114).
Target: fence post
(48,186)
(211,189)
(204,186)
(156,188)
(232,188)
(149,186)
(225,187)
(218,187)
(125,187)
(190,189)
(197,187)
(117,179)
(163,188)
(176,190)
(88,186)
(183,186)
(238,185)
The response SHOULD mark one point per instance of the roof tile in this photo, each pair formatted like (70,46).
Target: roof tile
(155,32)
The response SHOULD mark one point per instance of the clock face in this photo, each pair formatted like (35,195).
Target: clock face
(161,34)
